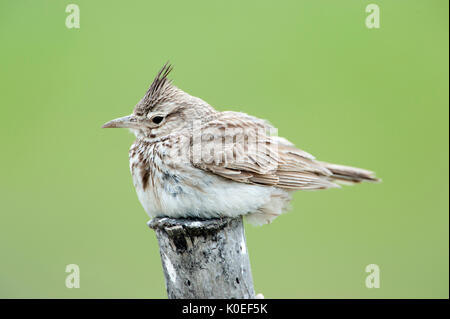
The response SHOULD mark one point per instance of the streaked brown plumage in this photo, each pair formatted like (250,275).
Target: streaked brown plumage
(190,160)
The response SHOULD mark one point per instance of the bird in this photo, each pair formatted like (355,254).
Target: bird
(190,160)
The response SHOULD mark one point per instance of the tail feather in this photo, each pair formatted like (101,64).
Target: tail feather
(348,174)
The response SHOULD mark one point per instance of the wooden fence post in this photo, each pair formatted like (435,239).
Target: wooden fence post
(204,258)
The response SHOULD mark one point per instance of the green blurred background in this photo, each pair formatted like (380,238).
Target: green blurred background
(374,98)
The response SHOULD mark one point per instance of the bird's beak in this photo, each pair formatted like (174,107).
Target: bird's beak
(129,121)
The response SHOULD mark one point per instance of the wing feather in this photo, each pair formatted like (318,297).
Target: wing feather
(244,152)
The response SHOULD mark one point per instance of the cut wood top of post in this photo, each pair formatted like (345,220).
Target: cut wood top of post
(193,227)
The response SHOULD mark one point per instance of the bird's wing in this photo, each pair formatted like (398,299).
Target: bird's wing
(239,147)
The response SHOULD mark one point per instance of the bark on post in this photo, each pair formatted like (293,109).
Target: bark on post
(204,258)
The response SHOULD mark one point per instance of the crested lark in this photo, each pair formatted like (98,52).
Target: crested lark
(190,160)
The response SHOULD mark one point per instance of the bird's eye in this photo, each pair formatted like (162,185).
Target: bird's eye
(157,119)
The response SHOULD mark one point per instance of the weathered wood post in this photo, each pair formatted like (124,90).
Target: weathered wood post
(204,258)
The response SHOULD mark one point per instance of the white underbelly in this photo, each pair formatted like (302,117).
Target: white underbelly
(199,194)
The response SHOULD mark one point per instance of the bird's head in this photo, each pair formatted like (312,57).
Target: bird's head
(164,109)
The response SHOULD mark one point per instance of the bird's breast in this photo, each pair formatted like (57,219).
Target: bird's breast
(167,184)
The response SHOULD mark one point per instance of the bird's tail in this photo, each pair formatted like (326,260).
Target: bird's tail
(349,175)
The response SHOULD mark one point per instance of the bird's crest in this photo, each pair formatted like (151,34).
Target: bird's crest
(155,93)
